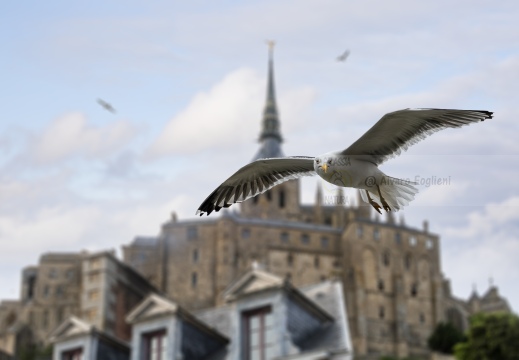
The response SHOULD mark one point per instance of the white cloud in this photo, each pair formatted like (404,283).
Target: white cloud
(491,221)
(71,135)
(222,117)
(486,245)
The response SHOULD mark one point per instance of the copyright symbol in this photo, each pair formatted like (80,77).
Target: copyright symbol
(370,181)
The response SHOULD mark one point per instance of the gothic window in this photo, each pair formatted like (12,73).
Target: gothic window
(305,239)
(324,242)
(381,284)
(154,345)
(192,232)
(195,256)
(414,289)
(386,258)
(376,234)
(31,280)
(284,237)
(258,334)
(282,198)
(381,312)
(194,279)
(429,244)
(316,262)
(328,220)
(245,233)
(422,318)
(412,240)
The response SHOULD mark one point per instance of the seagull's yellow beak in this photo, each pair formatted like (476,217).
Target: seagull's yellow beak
(324,167)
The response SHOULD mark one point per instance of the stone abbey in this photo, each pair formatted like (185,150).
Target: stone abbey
(393,286)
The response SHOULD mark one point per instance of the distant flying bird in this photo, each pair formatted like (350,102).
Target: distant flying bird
(355,167)
(344,56)
(106,105)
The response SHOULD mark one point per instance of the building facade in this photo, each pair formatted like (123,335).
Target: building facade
(394,287)
(95,287)
(262,317)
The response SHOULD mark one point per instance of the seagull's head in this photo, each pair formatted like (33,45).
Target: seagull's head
(322,164)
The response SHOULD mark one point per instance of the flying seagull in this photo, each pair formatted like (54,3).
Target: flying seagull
(344,56)
(355,167)
(106,105)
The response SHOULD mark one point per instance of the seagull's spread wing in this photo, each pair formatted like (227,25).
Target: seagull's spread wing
(398,130)
(256,178)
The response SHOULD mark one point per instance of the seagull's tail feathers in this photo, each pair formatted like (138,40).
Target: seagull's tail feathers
(397,192)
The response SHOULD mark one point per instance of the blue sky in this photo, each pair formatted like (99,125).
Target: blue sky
(188,84)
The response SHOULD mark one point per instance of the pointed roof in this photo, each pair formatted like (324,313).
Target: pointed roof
(253,281)
(256,281)
(156,306)
(270,136)
(73,326)
(153,306)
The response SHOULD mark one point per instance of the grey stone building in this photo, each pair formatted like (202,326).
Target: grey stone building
(95,287)
(263,317)
(393,284)
(389,275)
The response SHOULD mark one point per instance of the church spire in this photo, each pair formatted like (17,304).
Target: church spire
(270,136)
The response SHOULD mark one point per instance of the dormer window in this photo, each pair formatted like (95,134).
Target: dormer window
(258,334)
(76,354)
(154,345)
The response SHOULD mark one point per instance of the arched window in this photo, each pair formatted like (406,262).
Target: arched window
(290,259)
(316,262)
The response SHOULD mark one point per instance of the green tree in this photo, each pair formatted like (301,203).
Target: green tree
(444,337)
(490,337)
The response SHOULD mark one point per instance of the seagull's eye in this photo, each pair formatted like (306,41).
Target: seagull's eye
(317,161)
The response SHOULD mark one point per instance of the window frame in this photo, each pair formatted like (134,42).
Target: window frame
(72,354)
(262,312)
(147,338)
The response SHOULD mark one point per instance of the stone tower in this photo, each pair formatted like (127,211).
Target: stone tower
(281,202)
